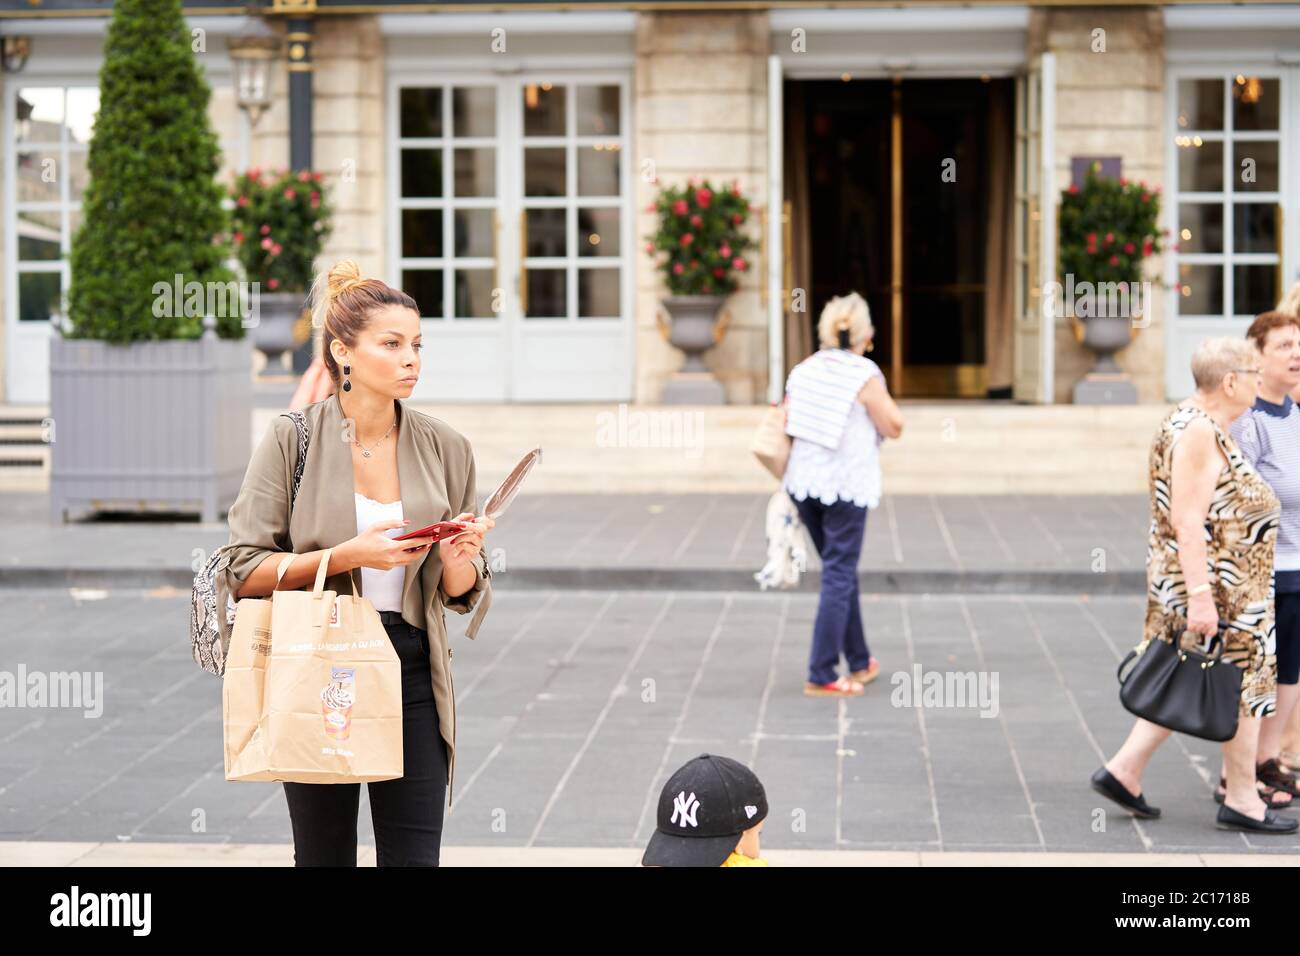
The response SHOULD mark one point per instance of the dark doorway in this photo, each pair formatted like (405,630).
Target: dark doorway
(897,208)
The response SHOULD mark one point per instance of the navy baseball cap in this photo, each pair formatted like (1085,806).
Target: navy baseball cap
(703,809)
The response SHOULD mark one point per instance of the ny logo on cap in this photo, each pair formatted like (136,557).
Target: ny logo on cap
(686,806)
(750,811)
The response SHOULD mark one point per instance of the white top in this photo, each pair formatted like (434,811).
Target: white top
(848,472)
(383,589)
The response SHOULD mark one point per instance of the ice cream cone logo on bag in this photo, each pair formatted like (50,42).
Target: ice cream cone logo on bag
(336,702)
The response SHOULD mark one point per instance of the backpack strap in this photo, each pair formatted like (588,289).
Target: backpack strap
(304,440)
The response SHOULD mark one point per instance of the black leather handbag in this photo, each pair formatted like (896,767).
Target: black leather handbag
(1184,690)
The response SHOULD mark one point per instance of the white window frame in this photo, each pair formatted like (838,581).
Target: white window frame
(1185,330)
(509,329)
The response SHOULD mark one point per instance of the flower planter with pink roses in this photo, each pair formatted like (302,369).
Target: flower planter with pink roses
(703,248)
(279,223)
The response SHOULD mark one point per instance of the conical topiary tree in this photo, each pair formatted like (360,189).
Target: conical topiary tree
(152,209)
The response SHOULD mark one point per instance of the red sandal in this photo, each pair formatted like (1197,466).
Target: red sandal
(840,687)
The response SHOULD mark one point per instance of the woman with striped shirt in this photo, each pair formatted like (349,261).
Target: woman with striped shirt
(838,413)
(1269,436)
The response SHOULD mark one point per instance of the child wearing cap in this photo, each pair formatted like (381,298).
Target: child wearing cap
(711,811)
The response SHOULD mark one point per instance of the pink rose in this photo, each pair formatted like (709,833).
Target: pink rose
(1073,190)
(650,247)
(696,221)
(266,230)
(1110,237)
(304,176)
(289,194)
(1146,248)
(737,219)
(1114,260)
(1128,248)
(679,207)
(718,271)
(266,243)
(738,264)
(725,251)
(317,177)
(1146,197)
(272,284)
(687,239)
(241,201)
(677,269)
(238,237)
(276,248)
(650,207)
(255,172)
(703,197)
(1123,180)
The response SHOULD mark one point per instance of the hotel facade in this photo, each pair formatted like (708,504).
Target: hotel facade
(497,161)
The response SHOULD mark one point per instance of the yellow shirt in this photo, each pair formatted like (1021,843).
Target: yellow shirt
(739,859)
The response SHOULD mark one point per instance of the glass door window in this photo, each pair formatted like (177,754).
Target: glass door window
(52,128)
(448,200)
(571,201)
(1227,195)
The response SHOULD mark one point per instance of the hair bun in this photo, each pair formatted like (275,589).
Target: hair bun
(345,275)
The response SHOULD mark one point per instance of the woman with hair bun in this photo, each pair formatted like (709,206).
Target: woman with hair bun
(839,412)
(373,466)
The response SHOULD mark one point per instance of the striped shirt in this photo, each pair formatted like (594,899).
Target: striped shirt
(1269,436)
(821,390)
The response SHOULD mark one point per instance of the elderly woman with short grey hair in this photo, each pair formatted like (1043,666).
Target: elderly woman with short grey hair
(1210,551)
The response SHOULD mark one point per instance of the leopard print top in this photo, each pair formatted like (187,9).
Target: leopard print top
(1240,533)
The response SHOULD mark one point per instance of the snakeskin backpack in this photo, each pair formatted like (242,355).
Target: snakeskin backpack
(208,638)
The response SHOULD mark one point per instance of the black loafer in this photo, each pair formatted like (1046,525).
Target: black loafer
(1105,784)
(1230,819)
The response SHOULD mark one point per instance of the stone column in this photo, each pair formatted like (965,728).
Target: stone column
(1109,103)
(700,109)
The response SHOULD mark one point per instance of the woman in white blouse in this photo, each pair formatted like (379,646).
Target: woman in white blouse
(839,412)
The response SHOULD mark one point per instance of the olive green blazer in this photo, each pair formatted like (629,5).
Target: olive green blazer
(435,466)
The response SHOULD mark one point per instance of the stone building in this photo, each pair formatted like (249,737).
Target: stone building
(916,153)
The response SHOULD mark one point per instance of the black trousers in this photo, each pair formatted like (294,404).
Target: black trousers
(407,813)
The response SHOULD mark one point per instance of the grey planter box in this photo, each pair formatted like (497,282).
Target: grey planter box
(151,426)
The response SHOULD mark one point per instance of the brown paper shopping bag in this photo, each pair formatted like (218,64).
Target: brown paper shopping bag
(313,689)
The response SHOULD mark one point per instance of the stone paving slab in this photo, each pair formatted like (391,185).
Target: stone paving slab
(18,853)
(914,544)
(576,706)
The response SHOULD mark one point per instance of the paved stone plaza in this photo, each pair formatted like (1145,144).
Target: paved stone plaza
(626,636)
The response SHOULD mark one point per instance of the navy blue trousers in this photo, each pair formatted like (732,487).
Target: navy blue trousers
(837,531)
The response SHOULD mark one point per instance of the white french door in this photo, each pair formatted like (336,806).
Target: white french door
(47,128)
(1035,231)
(511,227)
(1233,201)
